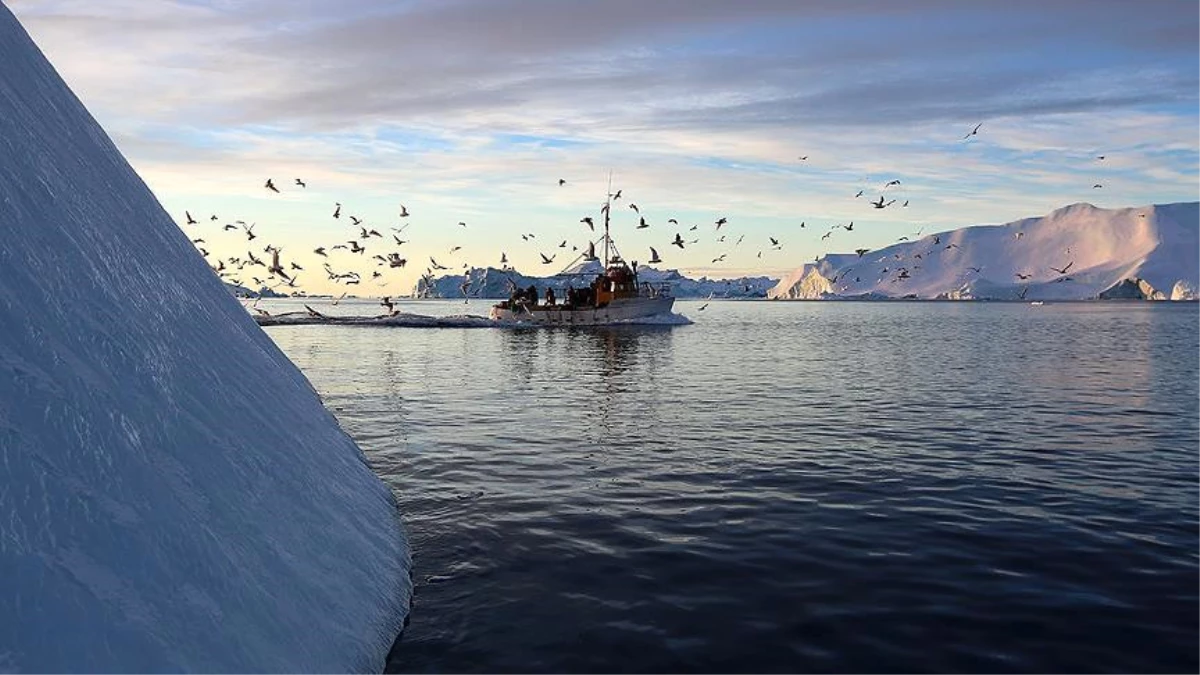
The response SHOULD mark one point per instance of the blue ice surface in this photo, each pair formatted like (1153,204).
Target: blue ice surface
(173,495)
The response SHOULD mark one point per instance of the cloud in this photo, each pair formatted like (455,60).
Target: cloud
(472,109)
(314,65)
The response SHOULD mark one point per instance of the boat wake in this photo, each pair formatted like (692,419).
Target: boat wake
(403,320)
(664,319)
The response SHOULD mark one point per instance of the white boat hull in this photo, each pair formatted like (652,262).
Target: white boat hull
(625,310)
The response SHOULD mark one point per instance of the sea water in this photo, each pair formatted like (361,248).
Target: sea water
(816,486)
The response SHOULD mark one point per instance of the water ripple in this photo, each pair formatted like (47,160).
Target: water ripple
(787,487)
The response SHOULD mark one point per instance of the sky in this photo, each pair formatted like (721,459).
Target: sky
(772,114)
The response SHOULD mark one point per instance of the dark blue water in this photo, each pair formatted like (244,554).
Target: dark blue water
(789,487)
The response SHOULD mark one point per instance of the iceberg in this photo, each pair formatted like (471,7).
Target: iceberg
(174,495)
(1079,252)
(489,282)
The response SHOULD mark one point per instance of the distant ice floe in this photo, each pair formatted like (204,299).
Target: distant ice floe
(489,282)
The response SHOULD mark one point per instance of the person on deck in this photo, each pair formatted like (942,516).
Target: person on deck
(531,294)
(549,295)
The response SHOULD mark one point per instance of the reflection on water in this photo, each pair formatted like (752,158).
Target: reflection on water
(790,487)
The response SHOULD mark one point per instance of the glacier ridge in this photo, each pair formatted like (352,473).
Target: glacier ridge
(175,497)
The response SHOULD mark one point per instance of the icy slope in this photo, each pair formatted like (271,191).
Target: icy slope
(1097,248)
(173,495)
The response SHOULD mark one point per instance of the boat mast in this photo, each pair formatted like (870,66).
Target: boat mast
(607,208)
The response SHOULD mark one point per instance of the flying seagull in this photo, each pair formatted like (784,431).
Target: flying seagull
(654,256)
(301,183)
(974,131)
(190,219)
(270,185)
(275,267)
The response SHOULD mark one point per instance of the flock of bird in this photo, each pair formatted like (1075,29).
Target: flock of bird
(888,264)
(340,268)
(234,268)
(344,260)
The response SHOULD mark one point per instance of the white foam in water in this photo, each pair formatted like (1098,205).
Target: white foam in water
(398,320)
(665,319)
(174,497)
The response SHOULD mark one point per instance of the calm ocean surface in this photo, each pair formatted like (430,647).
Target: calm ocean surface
(787,486)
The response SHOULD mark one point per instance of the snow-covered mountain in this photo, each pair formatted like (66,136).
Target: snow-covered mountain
(174,497)
(490,282)
(1078,252)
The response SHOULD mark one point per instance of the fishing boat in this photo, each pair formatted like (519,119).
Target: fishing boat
(610,293)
